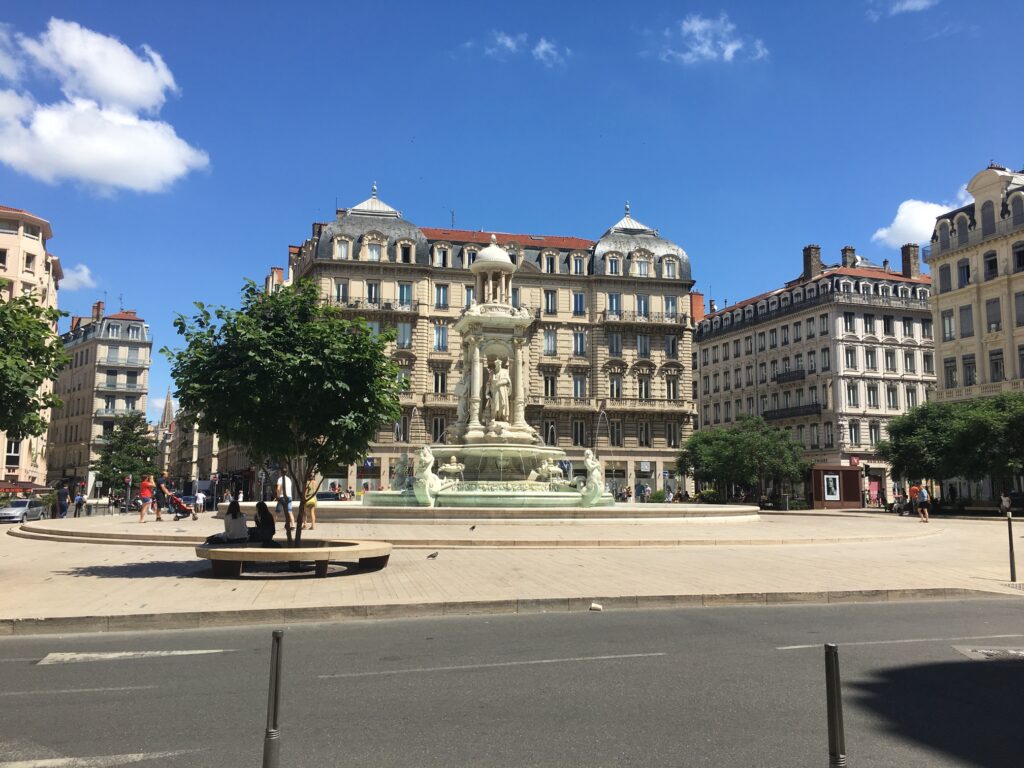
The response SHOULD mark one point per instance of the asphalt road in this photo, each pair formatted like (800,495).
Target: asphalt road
(698,687)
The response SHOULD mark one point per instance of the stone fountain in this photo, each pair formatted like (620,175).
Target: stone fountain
(494,458)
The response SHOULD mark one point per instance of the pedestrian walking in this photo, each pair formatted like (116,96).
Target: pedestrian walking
(146,494)
(1005,502)
(922,504)
(162,494)
(310,505)
(200,505)
(62,501)
(284,498)
(912,494)
(79,503)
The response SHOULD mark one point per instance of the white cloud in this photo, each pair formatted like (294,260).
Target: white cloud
(548,54)
(911,6)
(10,63)
(76,278)
(503,45)
(915,221)
(701,39)
(98,134)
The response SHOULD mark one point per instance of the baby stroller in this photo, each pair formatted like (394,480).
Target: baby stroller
(181,509)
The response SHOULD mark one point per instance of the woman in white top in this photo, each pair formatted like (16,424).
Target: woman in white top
(234,524)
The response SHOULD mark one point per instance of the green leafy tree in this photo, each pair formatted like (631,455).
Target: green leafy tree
(288,378)
(31,353)
(129,450)
(747,454)
(920,443)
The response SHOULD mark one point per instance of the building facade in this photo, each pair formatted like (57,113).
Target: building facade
(27,268)
(830,356)
(108,377)
(609,346)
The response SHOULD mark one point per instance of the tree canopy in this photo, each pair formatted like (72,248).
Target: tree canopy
(746,454)
(129,450)
(971,439)
(31,353)
(287,377)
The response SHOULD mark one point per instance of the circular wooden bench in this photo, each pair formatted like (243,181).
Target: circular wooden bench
(227,559)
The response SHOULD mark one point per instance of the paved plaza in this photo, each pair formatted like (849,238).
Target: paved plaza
(71,582)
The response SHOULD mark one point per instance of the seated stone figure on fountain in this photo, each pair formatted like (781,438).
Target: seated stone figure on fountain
(428,485)
(548,472)
(593,486)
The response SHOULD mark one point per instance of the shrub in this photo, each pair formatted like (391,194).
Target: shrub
(657,497)
(709,496)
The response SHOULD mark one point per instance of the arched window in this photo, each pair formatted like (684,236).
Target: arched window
(1017,209)
(944,236)
(988,219)
(962,227)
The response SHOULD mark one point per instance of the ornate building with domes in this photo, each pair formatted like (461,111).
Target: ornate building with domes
(607,349)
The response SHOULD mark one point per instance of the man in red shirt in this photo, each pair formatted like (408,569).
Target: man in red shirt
(913,493)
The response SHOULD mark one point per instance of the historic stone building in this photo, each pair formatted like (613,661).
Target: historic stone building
(108,377)
(608,344)
(26,268)
(830,356)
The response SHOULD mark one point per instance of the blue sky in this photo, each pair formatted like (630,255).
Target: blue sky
(179,147)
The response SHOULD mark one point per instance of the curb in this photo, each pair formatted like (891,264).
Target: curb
(210,619)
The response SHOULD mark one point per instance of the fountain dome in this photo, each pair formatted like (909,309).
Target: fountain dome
(492,258)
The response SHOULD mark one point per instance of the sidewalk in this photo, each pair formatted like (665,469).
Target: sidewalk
(61,586)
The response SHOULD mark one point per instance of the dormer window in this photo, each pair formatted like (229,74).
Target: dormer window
(113,331)
(643,269)
(134,332)
(550,263)
(373,252)
(670,269)
(470,257)
(341,249)
(405,253)
(613,266)
(441,256)
(32,230)
(578,265)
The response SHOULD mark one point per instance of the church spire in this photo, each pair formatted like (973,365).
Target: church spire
(168,415)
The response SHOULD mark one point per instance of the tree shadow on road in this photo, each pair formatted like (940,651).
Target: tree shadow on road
(969,710)
(184,569)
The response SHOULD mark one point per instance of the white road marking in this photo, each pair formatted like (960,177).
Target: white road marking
(898,642)
(78,690)
(74,658)
(491,666)
(95,762)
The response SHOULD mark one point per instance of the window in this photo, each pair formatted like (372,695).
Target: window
(13,457)
(550,432)
(438,427)
(809,325)
(341,291)
(993,316)
(3,257)
(715,382)
(854,433)
(516,301)
(615,386)
(1018,308)
(643,434)
(405,256)
(926,329)
(991,264)
(963,273)
(440,338)
(814,435)
(373,252)
(823,325)
(373,292)
(341,249)
(9,226)
(643,305)
(579,385)
(911,395)
(762,373)
(643,345)
(714,354)
(748,345)
(671,307)
(870,359)
(550,302)
(728,411)
(671,387)
(970,370)
(812,395)
(949,367)
(30,262)
(579,343)
(785,335)
(797,335)
(996,372)
(812,365)
(704,356)
(1018,254)
(440,256)
(578,266)
(849,322)
(579,303)
(872,395)
(773,339)
(908,327)
(945,284)
(892,397)
(890,359)
(829,436)
(615,433)
(441,297)
(852,395)
(643,386)
(928,363)
(966,321)
(672,347)
(613,266)
(550,385)
(948,330)
(888,325)
(402,430)
(760,342)
(910,362)
(672,433)
(403,339)
(113,331)
(874,433)
(707,385)
(826,362)
(550,341)
(405,295)
(851,358)
(550,264)
(988,218)
(615,343)
(749,378)
(469,296)
(614,304)
(579,433)
(643,268)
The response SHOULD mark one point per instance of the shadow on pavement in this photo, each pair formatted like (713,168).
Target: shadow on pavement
(969,710)
(201,569)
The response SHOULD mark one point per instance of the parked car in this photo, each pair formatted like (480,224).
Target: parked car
(22,510)
(326,496)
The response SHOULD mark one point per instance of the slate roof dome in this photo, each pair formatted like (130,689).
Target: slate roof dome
(628,235)
(373,215)
(491,258)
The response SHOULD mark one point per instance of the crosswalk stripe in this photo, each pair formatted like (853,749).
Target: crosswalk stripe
(101,761)
(74,658)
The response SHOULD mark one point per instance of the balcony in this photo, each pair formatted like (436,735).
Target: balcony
(980,390)
(974,236)
(563,403)
(115,387)
(377,305)
(798,374)
(124,362)
(116,411)
(809,409)
(645,318)
(642,404)
(443,399)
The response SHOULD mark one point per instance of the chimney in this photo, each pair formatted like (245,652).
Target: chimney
(849,256)
(97,311)
(697,306)
(911,260)
(812,261)
(714,307)
(885,264)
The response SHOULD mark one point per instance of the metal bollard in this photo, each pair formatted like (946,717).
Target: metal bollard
(834,704)
(272,739)
(1013,560)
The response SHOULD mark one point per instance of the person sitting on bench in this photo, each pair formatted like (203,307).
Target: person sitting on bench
(264,530)
(235,531)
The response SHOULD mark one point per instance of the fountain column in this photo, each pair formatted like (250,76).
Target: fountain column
(477,379)
(519,391)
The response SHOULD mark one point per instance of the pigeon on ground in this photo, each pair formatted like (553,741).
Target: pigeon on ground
(432,556)
(472,527)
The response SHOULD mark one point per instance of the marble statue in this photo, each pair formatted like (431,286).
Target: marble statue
(500,385)
(548,472)
(400,480)
(593,487)
(452,468)
(462,393)
(428,485)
